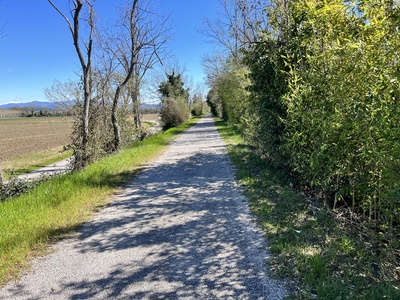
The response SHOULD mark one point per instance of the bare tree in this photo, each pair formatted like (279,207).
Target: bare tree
(85,59)
(63,94)
(237,24)
(1,31)
(2,26)
(136,47)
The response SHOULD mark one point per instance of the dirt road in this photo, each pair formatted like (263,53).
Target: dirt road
(180,230)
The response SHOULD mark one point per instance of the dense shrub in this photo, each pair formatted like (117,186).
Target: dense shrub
(323,100)
(174,112)
(197,109)
(267,109)
(15,187)
(175,108)
(214,102)
(228,97)
(342,99)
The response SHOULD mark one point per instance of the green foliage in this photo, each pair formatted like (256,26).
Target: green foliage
(57,206)
(342,102)
(197,109)
(173,87)
(101,134)
(214,102)
(321,256)
(197,106)
(319,97)
(267,109)
(175,111)
(322,102)
(100,137)
(228,97)
(175,101)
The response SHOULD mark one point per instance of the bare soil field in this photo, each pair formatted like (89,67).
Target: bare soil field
(34,142)
(22,136)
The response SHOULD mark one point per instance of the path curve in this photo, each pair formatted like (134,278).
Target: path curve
(59,167)
(180,230)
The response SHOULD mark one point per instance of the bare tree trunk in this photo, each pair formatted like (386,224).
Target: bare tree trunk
(129,69)
(85,117)
(136,104)
(86,64)
(114,119)
(144,36)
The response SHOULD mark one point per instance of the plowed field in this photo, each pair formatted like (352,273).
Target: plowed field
(22,136)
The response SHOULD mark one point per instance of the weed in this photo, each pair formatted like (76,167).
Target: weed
(15,187)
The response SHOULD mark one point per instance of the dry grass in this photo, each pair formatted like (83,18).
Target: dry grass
(33,161)
(150,117)
(23,136)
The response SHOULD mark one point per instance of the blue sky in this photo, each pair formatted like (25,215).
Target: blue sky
(36,47)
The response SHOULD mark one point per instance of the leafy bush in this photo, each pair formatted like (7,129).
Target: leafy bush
(214,102)
(228,97)
(341,102)
(175,101)
(267,109)
(197,109)
(324,100)
(16,187)
(174,112)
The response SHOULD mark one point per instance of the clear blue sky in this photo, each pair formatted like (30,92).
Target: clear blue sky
(36,47)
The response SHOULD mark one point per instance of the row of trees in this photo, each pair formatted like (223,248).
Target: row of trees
(22,112)
(114,60)
(316,90)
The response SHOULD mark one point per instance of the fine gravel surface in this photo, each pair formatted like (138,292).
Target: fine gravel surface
(180,230)
(56,168)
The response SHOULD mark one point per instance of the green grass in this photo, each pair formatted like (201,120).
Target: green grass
(29,222)
(34,161)
(317,254)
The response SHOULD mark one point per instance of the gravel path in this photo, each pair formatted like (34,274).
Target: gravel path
(56,168)
(180,230)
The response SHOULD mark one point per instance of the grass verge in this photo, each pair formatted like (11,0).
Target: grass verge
(34,161)
(319,256)
(29,222)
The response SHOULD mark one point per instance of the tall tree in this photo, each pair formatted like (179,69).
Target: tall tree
(136,47)
(173,87)
(237,25)
(84,51)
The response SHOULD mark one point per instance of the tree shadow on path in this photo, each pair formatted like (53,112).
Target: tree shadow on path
(180,230)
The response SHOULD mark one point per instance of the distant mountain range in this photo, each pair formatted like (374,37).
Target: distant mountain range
(51,105)
(33,104)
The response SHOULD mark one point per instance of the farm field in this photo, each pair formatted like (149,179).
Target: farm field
(31,143)
(150,117)
(37,138)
